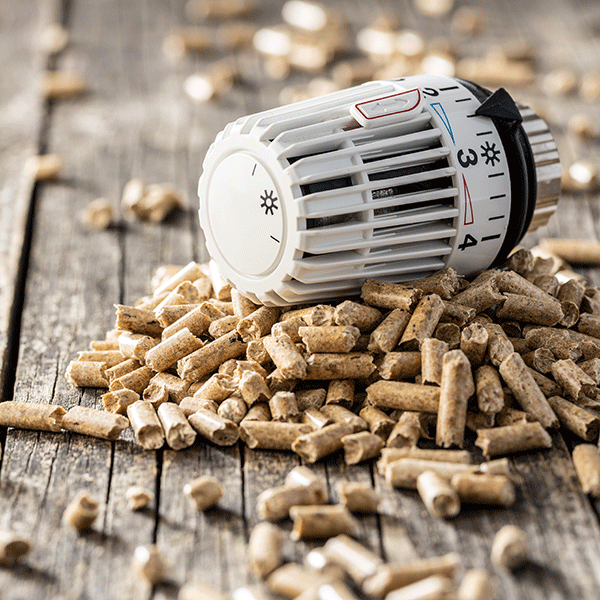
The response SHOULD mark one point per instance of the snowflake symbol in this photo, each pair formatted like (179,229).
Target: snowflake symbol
(490,153)
(268,202)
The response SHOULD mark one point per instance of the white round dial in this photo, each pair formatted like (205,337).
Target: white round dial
(245,214)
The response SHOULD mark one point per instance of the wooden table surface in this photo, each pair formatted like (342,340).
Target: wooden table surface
(59,280)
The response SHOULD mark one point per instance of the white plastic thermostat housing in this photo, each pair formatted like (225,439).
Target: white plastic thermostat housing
(390,180)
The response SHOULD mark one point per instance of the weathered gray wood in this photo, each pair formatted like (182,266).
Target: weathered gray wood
(21,112)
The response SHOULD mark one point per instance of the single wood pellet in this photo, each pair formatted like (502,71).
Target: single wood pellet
(95,423)
(138,497)
(430,588)
(497,490)
(357,560)
(26,415)
(203,492)
(215,428)
(81,512)
(477,584)
(271,435)
(392,576)
(321,521)
(178,432)
(322,442)
(512,438)
(509,548)
(305,477)
(274,503)
(265,549)
(13,548)
(358,497)
(439,497)
(146,425)
(586,458)
(149,562)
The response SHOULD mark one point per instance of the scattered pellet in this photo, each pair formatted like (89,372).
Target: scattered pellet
(286,357)
(574,380)
(284,407)
(60,84)
(389,295)
(258,324)
(136,345)
(333,338)
(98,214)
(155,394)
(358,497)
(509,548)
(87,373)
(29,415)
(430,588)
(341,391)
(406,432)
(203,492)
(178,432)
(123,368)
(385,337)
(233,409)
(338,413)
(403,473)
(379,422)
(586,459)
(207,358)
(265,549)
(315,418)
(194,590)
(350,313)
(488,387)
(422,323)
(432,356)
(477,584)
(215,428)
(253,388)
(304,476)
(96,423)
(291,579)
(274,504)
(321,521)
(13,548)
(138,497)
(351,365)
(400,365)
(257,412)
(289,327)
(190,405)
(117,401)
(455,390)
(527,392)
(150,564)
(361,446)
(439,497)
(53,39)
(392,576)
(389,455)
(81,512)
(322,442)
(314,398)
(271,435)
(575,418)
(146,425)
(513,438)
(473,342)
(480,296)
(497,490)
(405,396)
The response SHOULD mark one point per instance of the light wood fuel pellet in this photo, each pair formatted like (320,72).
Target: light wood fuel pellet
(379,422)
(392,576)
(29,415)
(13,548)
(233,409)
(291,579)
(286,357)
(389,295)
(61,84)
(304,476)
(118,401)
(274,503)
(572,378)
(430,588)
(190,405)
(389,455)
(385,337)
(95,423)
(87,373)
(123,368)
(575,418)
(284,407)
(341,391)
(265,549)
(215,428)
(357,560)
(527,392)
(333,338)
(179,433)
(150,564)
(289,327)
(351,365)
(361,446)
(488,388)
(406,432)
(257,412)
(439,497)
(509,548)
(363,317)
(195,589)
(203,492)
(98,214)
(586,459)
(138,497)
(358,497)
(146,425)
(432,356)
(81,512)
(477,584)
(258,324)
(314,398)
(155,394)
(271,435)
(422,323)
(322,442)
(399,365)
(179,345)
(473,342)
(404,396)
(403,473)
(513,438)
(136,345)
(321,521)
(497,490)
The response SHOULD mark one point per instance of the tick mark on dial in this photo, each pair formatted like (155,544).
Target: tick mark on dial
(254,169)
(274,238)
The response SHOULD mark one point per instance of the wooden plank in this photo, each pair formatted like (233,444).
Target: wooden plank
(21,113)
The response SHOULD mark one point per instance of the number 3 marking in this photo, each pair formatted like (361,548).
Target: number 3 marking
(468,161)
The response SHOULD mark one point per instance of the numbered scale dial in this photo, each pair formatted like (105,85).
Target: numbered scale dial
(390,180)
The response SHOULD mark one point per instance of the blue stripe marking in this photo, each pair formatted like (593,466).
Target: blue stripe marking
(442,115)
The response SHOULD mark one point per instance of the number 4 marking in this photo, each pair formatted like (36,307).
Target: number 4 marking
(468,242)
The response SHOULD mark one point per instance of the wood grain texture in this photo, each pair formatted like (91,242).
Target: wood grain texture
(136,122)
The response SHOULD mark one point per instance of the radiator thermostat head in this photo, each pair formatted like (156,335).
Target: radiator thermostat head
(388,180)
